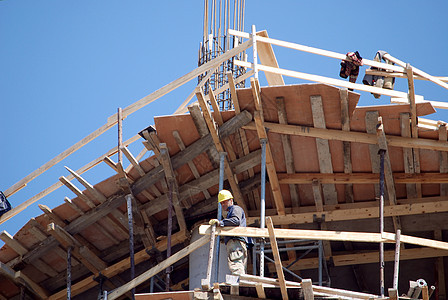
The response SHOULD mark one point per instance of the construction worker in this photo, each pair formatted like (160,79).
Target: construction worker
(236,246)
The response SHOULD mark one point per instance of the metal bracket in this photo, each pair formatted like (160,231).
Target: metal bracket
(320,219)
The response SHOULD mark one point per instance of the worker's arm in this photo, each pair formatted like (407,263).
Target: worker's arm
(234,218)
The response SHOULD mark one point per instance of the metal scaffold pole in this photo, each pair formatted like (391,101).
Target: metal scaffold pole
(262,200)
(222,156)
(381,152)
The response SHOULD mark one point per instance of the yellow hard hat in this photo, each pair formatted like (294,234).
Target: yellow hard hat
(224,195)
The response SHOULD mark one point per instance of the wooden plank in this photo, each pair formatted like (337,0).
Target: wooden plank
(307,288)
(270,165)
(323,150)
(324,235)
(345,121)
(213,131)
(191,164)
(313,50)
(416,71)
(172,182)
(267,57)
(324,80)
(278,262)
(388,175)
(133,160)
(159,267)
(411,189)
(97,194)
(358,137)
(365,212)
(360,178)
(287,150)
(317,193)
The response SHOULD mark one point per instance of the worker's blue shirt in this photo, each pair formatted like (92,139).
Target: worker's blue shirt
(235,217)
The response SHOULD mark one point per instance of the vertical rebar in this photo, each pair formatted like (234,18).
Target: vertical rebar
(397,259)
(69,273)
(120,135)
(151,285)
(262,201)
(170,229)
(131,237)
(381,152)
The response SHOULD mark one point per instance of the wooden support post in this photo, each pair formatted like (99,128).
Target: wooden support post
(323,150)
(389,179)
(440,269)
(393,294)
(414,128)
(171,179)
(278,262)
(411,189)
(206,282)
(262,134)
(260,290)
(345,121)
(371,120)
(213,131)
(307,288)
(443,159)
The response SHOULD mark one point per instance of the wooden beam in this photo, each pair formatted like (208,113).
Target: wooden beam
(260,290)
(345,121)
(278,262)
(267,57)
(323,149)
(357,213)
(358,137)
(443,159)
(159,267)
(97,194)
(324,235)
(172,182)
(31,285)
(133,161)
(191,164)
(388,175)
(262,134)
(213,131)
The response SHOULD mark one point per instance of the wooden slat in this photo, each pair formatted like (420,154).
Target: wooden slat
(323,150)
(172,182)
(345,121)
(213,131)
(278,262)
(358,137)
(287,150)
(262,134)
(133,160)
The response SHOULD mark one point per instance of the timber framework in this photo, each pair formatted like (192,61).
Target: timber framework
(355,199)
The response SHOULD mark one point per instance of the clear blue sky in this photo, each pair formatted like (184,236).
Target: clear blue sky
(66,66)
